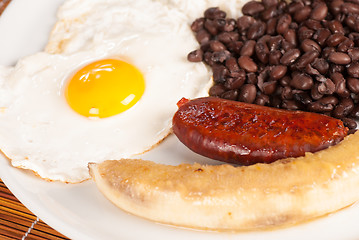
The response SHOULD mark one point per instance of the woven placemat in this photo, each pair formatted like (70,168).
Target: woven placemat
(17,222)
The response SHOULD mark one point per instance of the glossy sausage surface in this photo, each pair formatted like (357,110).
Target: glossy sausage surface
(245,134)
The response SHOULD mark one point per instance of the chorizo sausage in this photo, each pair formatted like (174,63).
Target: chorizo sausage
(246,134)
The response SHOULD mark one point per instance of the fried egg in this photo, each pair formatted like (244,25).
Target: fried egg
(111,96)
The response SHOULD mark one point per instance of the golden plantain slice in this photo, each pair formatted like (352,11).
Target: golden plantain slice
(225,197)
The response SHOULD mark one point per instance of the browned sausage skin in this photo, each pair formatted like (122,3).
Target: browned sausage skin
(243,133)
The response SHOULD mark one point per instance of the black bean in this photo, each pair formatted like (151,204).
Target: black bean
(211,27)
(283,23)
(310,45)
(271,26)
(230,25)
(257,30)
(340,17)
(319,12)
(286,93)
(302,14)
(335,39)
(244,22)
(252,8)
(311,71)
(336,27)
(339,58)
(313,24)
(286,46)
(230,95)
(291,105)
(282,5)
(348,7)
(235,46)
(234,83)
(319,107)
(354,54)
(274,57)
(248,48)
(213,13)
(340,85)
(307,58)
(353,85)
(219,73)
(349,123)
(268,88)
(344,107)
(321,65)
(227,37)
(269,13)
(278,72)
(217,90)
(274,43)
(207,58)
(302,97)
(353,36)
(327,87)
(268,3)
(221,56)
(237,74)
(302,81)
(247,93)
(197,25)
(290,57)
(252,78)
(262,100)
(232,65)
(321,36)
(326,52)
(321,78)
(217,46)
(221,24)
(351,22)
(247,64)
(314,92)
(291,37)
(335,6)
(353,70)
(262,52)
(345,45)
(336,68)
(329,100)
(203,36)
(195,56)
(295,7)
(275,101)
(304,33)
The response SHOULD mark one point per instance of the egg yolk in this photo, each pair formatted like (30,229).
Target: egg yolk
(104,88)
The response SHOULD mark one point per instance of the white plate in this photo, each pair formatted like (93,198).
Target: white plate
(79,211)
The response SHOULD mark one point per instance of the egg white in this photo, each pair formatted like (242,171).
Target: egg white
(40,132)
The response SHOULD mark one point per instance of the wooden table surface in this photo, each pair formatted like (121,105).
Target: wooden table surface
(16,221)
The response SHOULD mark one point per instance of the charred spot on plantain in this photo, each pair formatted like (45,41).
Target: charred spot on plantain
(199,170)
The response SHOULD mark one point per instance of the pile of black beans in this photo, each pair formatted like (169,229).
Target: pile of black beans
(298,55)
